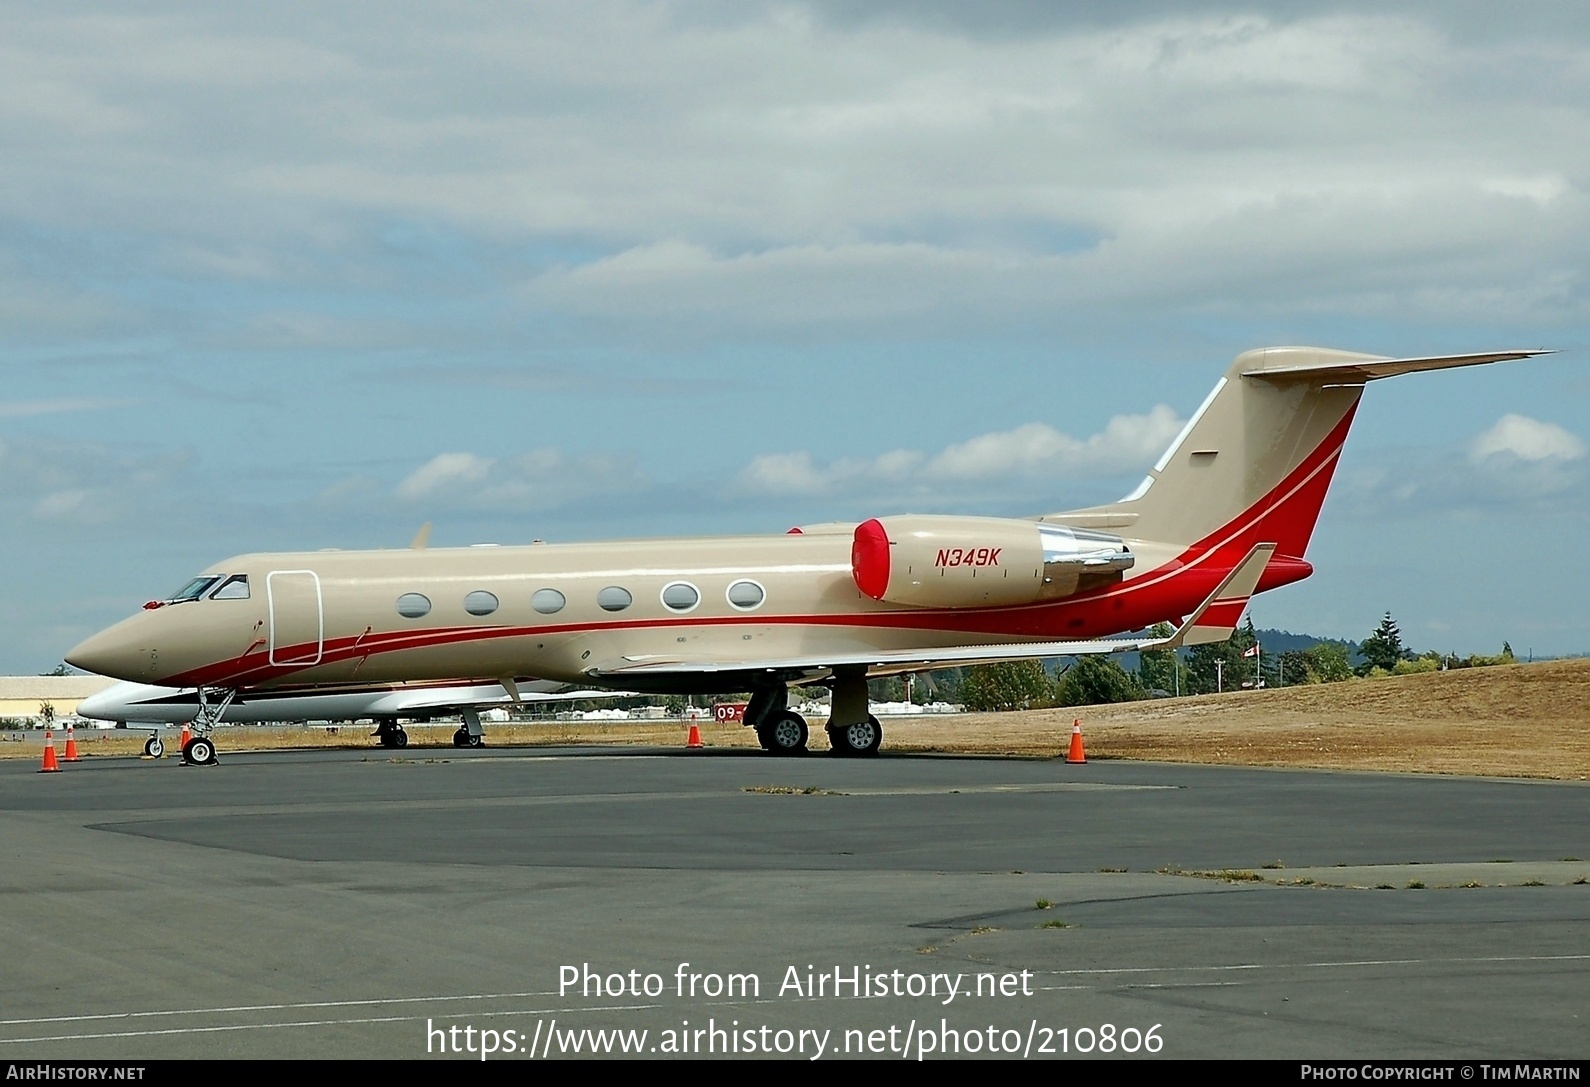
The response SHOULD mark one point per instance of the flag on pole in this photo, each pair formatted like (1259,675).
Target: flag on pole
(1252,650)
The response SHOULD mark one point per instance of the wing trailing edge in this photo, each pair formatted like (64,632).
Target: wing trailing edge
(1214,620)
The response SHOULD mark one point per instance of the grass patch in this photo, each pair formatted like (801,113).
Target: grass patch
(1273,864)
(789,790)
(1472,883)
(1384,887)
(1416,885)
(982,929)
(1534,883)
(1303,882)
(1056,923)
(1044,904)
(1230,875)
(1112,869)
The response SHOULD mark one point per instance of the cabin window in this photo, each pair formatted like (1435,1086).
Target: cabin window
(614,598)
(413,605)
(233,588)
(194,589)
(547,601)
(680,596)
(746,595)
(480,602)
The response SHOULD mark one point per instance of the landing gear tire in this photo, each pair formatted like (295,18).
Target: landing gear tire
(154,748)
(860,739)
(199,752)
(784,733)
(399,738)
(464,738)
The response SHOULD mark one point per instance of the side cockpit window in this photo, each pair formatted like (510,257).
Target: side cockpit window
(233,588)
(193,589)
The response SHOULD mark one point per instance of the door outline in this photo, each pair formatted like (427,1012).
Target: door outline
(320,617)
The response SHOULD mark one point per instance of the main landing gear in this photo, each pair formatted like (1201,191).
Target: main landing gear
(852,731)
(390,734)
(154,747)
(200,749)
(861,738)
(471,733)
(783,733)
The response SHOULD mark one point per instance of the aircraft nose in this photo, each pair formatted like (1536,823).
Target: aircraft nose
(114,652)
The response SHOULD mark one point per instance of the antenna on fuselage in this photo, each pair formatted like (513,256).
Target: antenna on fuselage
(422,537)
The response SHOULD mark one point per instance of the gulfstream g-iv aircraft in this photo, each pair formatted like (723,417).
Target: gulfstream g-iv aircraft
(145,707)
(1227,511)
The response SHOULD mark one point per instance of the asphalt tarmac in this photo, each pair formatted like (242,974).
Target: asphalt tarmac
(366,904)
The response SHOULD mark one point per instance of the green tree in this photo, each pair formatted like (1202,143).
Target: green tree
(1095,681)
(1007,685)
(1157,668)
(1331,663)
(1382,649)
(1202,675)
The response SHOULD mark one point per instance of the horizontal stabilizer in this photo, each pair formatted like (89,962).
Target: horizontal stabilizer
(1343,367)
(1216,620)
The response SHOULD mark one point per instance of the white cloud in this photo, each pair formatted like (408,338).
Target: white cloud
(1526,439)
(15,408)
(537,480)
(764,166)
(1031,451)
(1517,463)
(444,472)
(55,479)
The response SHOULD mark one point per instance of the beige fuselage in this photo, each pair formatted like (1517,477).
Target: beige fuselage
(333,616)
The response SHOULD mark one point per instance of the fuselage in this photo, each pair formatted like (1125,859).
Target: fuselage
(559,611)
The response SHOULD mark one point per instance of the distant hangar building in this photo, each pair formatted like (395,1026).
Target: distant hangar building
(25,696)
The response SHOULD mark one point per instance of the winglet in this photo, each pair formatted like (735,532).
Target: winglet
(1215,620)
(422,538)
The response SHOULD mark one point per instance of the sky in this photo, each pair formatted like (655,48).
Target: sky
(310,275)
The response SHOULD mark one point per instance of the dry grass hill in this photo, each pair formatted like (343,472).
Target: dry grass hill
(1523,720)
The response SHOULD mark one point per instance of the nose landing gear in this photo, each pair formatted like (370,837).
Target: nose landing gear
(200,749)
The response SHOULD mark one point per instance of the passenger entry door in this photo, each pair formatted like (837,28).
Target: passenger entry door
(297,617)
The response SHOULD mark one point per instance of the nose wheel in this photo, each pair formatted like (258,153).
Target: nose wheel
(154,748)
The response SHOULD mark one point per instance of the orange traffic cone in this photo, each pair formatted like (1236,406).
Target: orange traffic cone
(694,739)
(71,745)
(50,765)
(182,744)
(1076,754)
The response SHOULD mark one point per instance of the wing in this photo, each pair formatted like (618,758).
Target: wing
(400,702)
(1214,620)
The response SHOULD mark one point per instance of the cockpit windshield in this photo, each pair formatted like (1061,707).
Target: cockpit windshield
(193,589)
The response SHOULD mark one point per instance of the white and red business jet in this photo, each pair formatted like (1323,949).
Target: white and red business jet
(1226,512)
(146,707)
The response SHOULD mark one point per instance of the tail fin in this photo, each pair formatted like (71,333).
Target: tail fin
(1253,463)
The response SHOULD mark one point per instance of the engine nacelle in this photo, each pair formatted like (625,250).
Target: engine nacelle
(971,562)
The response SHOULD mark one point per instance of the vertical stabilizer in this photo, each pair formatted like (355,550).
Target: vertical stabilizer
(1255,460)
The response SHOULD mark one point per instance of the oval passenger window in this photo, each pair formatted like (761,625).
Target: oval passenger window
(614,598)
(480,602)
(547,601)
(413,605)
(746,595)
(680,596)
